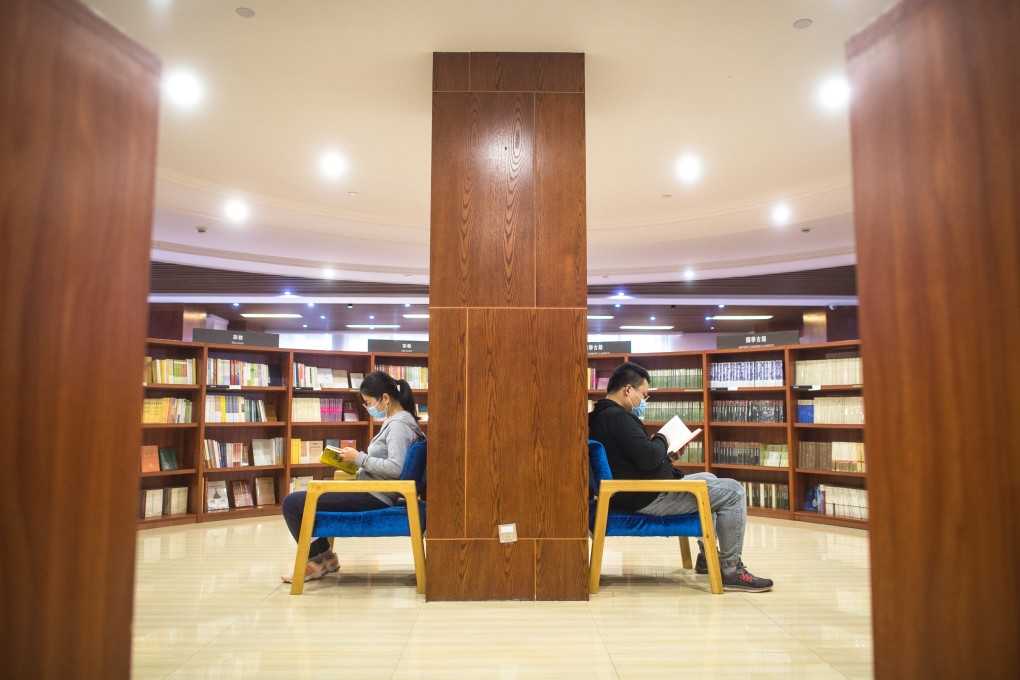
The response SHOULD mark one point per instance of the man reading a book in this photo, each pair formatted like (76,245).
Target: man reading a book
(632,454)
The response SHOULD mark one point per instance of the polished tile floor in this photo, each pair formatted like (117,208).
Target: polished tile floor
(209,604)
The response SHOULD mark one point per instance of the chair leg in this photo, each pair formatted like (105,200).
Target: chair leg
(685,552)
(417,545)
(598,544)
(297,584)
(708,537)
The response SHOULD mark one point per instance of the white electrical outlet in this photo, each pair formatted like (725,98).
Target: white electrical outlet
(507,533)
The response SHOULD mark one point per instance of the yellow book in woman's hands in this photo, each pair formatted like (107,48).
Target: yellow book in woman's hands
(331,456)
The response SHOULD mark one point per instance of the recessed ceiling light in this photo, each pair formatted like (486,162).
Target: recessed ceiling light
(311,304)
(271,316)
(245,12)
(332,164)
(183,88)
(604,317)
(287,293)
(416,316)
(372,317)
(802,23)
(781,214)
(372,326)
(237,304)
(304,325)
(619,296)
(352,193)
(688,274)
(350,306)
(327,273)
(646,328)
(741,317)
(722,306)
(235,210)
(688,168)
(322,316)
(834,93)
(617,305)
(651,318)
(407,304)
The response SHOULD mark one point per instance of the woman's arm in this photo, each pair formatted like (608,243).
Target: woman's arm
(397,437)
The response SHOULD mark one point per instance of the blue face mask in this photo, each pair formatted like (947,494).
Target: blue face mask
(639,410)
(375,414)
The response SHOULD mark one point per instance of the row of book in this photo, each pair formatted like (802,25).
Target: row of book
(216,454)
(749,411)
(676,378)
(838,456)
(231,408)
(239,493)
(169,371)
(241,373)
(323,410)
(750,453)
(688,411)
(837,371)
(166,410)
(694,452)
(775,495)
(838,501)
(325,378)
(416,376)
(168,501)
(158,458)
(831,410)
(598,380)
(737,374)
(310,451)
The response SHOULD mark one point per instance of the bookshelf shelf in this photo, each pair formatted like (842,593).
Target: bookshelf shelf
(167,521)
(241,468)
(837,520)
(831,473)
(244,388)
(169,426)
(829,426)
(756,468)
(170,387)
(827,388)
(169,473)
(274,424)
(240,513)
(738,390)
(776,513)
(722,423)
(331,423)
(298,466)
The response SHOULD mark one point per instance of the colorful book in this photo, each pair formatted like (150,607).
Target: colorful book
(240,489)
(331,456)
(150,458)
(168,458)
(216,496)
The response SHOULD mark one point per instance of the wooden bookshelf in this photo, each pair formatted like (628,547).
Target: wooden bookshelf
(280,386)
(790,433)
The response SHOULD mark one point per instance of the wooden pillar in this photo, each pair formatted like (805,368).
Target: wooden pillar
(508,428)
(935,123)
(78,116)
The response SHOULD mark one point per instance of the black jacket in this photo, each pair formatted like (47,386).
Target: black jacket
(631,454)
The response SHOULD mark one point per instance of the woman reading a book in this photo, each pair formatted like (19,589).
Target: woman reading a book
(383,459)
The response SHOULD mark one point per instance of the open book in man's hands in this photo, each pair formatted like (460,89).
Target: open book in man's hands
(677,434)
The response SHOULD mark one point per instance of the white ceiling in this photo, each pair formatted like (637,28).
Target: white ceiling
(731,81)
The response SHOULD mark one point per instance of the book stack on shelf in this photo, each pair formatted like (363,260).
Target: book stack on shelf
(694,452)
(749,411)
(217,454)
(750,453)
(751,373)
(164,501)
(225,372)
(676,378)
(767,495)
(267,452)
(836,371)
(416,376)
(169,371)
(166,410)
(837,456)
(837,501)
(320,377)
(318,410)
(847,410)
(230,408)
(304,452)
(660,411)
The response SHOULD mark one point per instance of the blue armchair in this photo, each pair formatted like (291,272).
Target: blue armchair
(406,518)
(605,522)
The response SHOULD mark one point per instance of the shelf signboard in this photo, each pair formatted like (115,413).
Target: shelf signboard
(399,346)
(613,347)
(249,338)
(752,340)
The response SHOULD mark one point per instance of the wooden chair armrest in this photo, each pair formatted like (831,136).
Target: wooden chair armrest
(608,487)
(404,487)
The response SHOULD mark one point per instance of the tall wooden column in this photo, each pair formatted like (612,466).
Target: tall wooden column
(508,428)
(935,124)
(78,116)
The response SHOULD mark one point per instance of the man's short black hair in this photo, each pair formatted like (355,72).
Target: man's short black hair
(627,373)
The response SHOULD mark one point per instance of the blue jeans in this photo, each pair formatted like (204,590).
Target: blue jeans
(294,509)
(729,508)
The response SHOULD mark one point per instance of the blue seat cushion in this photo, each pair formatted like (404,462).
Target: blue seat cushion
(621,523)
(390,521)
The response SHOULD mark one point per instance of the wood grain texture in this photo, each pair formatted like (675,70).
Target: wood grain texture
(561,569)
(447,423)
(78,116)
(480,570)
(560,219)
(526,460)
(934,121)
(526,72)
(482,250)
(450,71)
